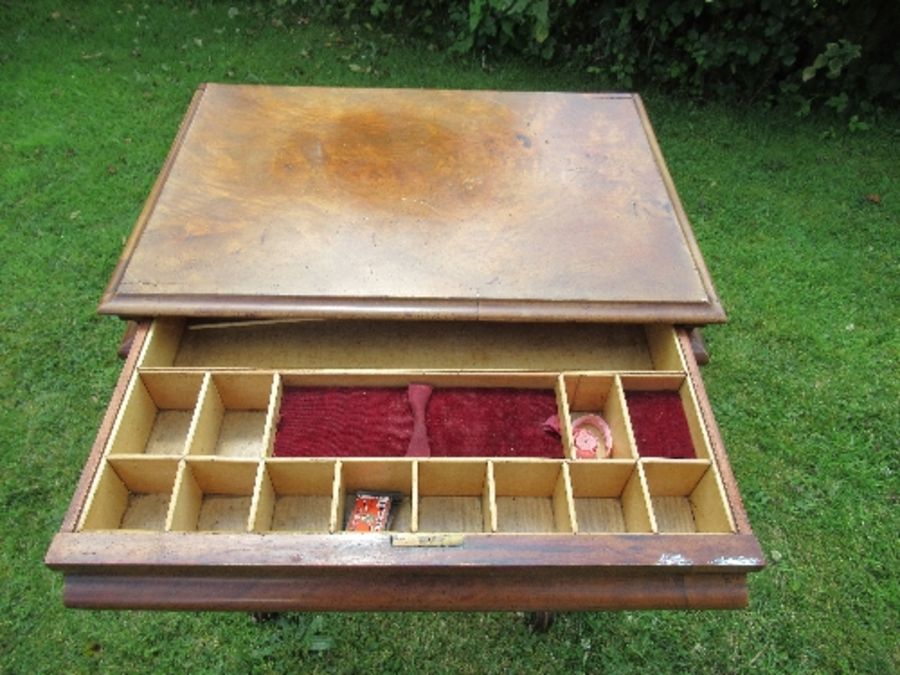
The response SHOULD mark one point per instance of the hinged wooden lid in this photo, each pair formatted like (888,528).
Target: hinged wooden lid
(366,203)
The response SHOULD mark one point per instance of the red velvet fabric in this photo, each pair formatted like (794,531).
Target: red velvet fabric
(491,423)
(343,422)
(418,396)
(378,422)
(659,424)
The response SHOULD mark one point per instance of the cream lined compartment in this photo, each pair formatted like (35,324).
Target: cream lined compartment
(192,444)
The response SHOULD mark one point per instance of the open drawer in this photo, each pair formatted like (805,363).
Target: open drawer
(231,454)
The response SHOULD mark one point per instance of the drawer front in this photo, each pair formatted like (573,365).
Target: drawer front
(231,458)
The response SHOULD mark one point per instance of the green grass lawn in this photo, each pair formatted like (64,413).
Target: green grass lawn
(799,221)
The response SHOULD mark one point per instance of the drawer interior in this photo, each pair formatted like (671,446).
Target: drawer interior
(411,345)
(206,437)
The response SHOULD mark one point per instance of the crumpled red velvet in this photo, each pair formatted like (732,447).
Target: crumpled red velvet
(659,424)
(343,422)
(379,422)
(418,396)
(465,422)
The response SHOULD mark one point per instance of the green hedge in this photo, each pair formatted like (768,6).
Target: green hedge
(836,53)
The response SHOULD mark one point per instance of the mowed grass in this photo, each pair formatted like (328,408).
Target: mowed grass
(799,222)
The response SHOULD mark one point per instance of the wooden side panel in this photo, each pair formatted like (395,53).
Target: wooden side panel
(162,343)
(207,420)
(132,429)
(664,350)
(93,460)
(185,507)
(709,510)
(263,506)
(729,483)
(636,506)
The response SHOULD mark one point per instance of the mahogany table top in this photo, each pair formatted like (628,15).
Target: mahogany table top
(380,203)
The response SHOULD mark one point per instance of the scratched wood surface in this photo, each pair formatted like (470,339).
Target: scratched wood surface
(316,202)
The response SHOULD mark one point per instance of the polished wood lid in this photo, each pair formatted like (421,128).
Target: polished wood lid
(380,203)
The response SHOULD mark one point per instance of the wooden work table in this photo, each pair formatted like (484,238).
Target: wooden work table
(338,238)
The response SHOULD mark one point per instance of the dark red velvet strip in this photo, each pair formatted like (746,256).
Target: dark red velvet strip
(492,423)
(659,424)
(378,422)
(343,422)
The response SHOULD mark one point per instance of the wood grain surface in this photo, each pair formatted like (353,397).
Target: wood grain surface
(314,202)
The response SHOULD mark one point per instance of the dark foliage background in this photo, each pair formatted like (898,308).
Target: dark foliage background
(839,54)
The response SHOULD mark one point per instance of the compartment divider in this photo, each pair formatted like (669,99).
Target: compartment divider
(207,419)
(336,523)
(135,422)
(565,419)
(185,505)
(262,508)
(708,500)
(490,499)
(272,412)
(414,498)
(534,498)
(695,419)
(564,503)
(108,497)
(619,421)
(645,496)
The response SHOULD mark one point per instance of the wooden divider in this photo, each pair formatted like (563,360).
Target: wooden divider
(216,430)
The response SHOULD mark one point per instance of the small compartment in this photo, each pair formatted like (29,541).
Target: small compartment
(384,476)
(157,413)
(454,496)
(600,395)
(234,418)
(686,496)
(532,497)
(213,495)
(664,417)
(295,496)
(131,494)
(609,497)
